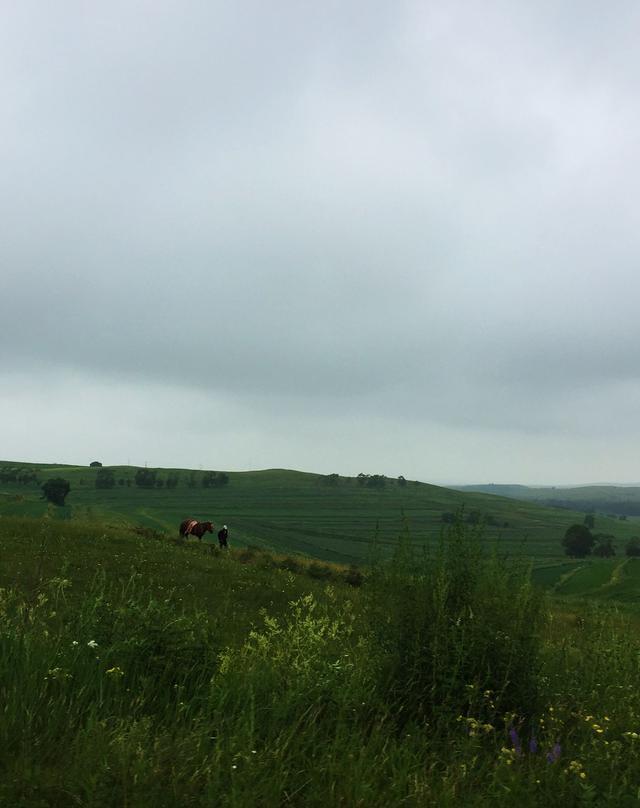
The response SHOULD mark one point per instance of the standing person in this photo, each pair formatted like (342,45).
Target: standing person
(223,535)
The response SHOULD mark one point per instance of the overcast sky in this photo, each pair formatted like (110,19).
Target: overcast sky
(390,237)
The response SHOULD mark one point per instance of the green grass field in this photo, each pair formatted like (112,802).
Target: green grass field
(295,512)
(139,671)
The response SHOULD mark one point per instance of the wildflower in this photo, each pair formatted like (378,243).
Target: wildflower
(554,754)
(92,644)
(507,755)
(75,642)
(116,672)
(517,746)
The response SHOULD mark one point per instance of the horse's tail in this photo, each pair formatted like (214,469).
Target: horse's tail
(187,526)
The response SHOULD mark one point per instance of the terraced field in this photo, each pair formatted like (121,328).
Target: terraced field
(608,579)
(295,512)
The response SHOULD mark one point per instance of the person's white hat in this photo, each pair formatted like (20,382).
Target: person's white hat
(224,526)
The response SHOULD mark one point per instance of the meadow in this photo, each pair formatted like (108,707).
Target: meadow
(136,670)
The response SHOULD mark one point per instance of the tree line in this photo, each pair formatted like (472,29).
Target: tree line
(580,542)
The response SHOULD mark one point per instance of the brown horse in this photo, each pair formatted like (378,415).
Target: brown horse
(191,527)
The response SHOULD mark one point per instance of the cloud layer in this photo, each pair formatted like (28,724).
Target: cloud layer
(384,237)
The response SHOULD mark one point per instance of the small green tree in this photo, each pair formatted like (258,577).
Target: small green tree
(55,490)
(578,541)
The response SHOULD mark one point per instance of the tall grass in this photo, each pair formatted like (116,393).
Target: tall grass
(456,624)
(444,679)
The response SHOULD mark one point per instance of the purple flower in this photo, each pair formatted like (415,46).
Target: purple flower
(515,740)
(554,754)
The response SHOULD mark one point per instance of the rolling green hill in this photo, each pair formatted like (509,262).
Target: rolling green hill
(616,500)
(330,518)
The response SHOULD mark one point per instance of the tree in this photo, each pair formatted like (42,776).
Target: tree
(401,481)
(578,541)
(173,479)
(95,464)
(376,481)
(145,478)
(604,545)
(632,548)
(214,479)
(55,490)
(590,520)
(105,478)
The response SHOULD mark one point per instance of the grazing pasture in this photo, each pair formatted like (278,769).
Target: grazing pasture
(331,519)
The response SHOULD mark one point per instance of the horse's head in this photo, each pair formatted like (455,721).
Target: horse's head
(208,526)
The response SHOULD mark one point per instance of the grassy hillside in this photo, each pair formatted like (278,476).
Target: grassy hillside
(138,671)
(295,512)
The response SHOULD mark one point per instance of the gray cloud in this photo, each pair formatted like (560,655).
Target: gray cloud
(409,219)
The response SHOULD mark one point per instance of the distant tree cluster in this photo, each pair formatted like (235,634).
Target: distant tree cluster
(95,464)
(580,542)
(214,479)
(146,478)
(150,478)
(22,476)
(372,480)
(173,478)
(105,478)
